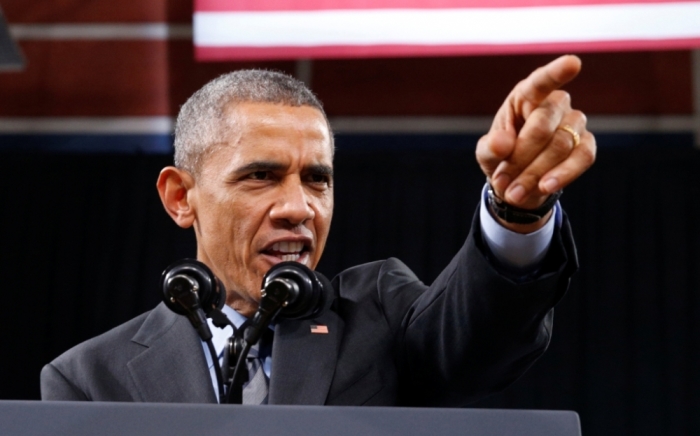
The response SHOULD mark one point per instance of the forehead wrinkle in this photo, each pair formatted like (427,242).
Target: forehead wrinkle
(253,117)
(276,131)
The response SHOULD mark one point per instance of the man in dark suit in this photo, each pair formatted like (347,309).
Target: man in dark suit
(253,176)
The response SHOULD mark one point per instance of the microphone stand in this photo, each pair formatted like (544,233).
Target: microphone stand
(235,391)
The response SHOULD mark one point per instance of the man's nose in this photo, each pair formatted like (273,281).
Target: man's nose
(293,205)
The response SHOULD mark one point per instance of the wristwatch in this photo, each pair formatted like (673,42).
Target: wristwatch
(517,215)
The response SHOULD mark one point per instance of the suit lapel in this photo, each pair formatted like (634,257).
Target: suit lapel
(172,368)
(303,363)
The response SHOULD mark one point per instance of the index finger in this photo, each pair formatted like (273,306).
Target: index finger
(541,82)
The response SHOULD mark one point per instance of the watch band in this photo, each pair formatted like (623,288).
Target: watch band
(517,215)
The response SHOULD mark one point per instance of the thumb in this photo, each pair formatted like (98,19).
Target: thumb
(493,148)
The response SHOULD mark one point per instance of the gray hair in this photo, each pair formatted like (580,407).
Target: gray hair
(202,120)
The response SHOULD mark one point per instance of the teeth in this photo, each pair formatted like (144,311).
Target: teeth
(289,257)
(288,247)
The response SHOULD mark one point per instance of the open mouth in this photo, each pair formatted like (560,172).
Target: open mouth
(289,251)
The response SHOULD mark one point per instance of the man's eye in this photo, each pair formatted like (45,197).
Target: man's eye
(259,175)
(320,179)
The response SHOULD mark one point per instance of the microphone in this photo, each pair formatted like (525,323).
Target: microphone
(289,290)
(191,289)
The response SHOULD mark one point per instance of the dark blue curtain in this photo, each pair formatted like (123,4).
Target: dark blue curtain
(84,239)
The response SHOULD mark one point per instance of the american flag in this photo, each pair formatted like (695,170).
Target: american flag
(289,29)
(322,329)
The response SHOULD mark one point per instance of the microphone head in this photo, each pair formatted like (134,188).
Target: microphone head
(310,294)
(187,276)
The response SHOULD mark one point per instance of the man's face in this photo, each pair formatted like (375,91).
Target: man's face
(264,197)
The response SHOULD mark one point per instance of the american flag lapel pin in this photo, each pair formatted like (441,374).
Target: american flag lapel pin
(320,329)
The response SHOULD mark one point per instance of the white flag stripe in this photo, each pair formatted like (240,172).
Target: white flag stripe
(448,26)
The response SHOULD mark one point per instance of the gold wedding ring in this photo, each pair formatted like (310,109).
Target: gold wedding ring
(574,134)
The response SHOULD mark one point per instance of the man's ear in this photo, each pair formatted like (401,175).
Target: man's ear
(173,185)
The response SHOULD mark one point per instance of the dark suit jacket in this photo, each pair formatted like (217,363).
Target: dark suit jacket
(392,340)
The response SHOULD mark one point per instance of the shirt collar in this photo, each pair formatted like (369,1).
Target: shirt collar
(220,336)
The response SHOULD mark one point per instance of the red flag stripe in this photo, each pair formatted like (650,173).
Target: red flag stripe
(312,5)
(350,51)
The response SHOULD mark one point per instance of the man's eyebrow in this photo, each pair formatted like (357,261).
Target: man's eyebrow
(261,165)
(321,169)
(268,165)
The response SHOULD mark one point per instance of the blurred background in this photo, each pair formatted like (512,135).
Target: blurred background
(88,93)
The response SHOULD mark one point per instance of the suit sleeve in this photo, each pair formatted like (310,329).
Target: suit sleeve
(56,387)
(474,331)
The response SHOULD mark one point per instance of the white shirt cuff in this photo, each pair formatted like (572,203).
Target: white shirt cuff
(515,250)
